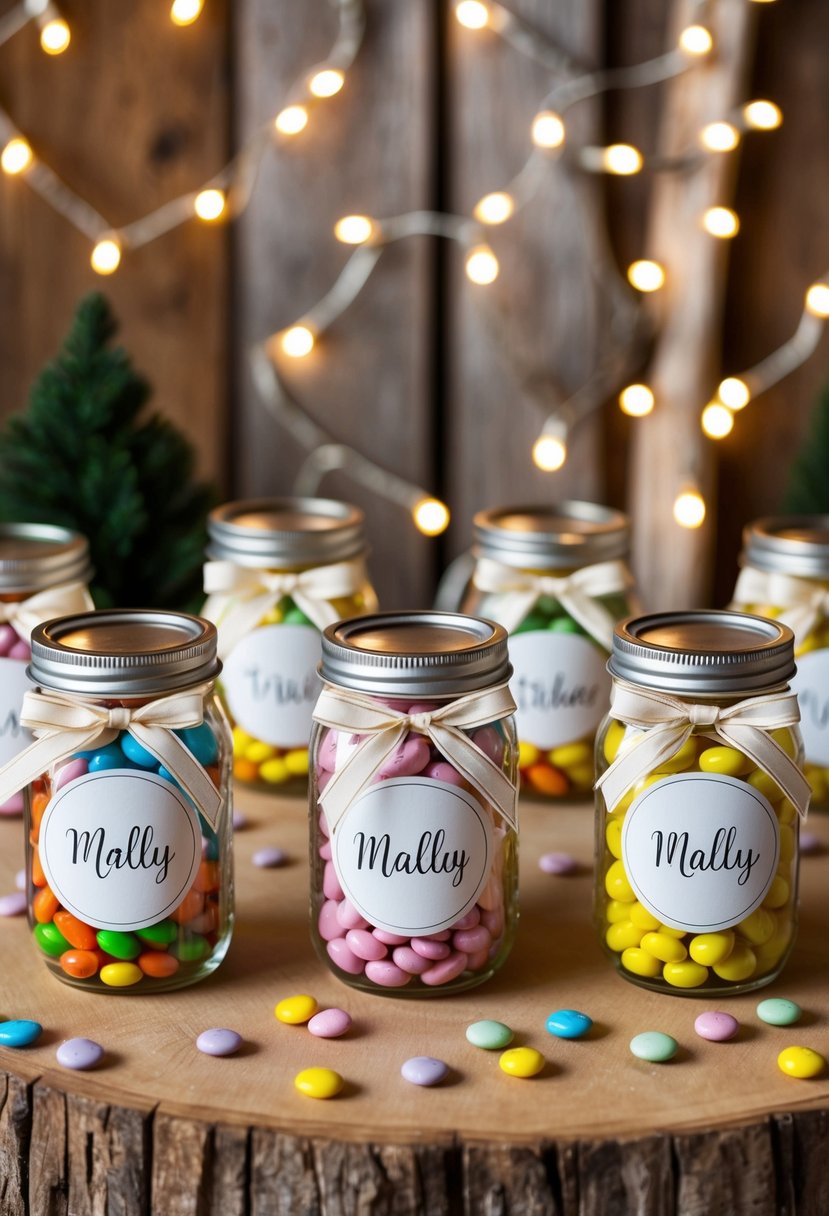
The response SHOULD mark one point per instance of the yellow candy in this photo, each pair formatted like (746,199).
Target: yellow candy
(667,949)
(757,928)
(785,739)
(771,952)
(624,803)
(274,617)
(640,916)
(120,975)
(684,975)
(257,751)
(617,885)
(622,935)
(318,1082)
(711,949)
(801,1062)
(683,759)
(241,739)
(274,771)
(724,760)
(787,839)
(582,775)
(778,893)
(808,644)
(740,964)
(294,1010)
(296,762)
(521,1061)
(786,812)
(671,932)
(641,963)
(572,755)
(615,911)
(613,836)
(613,737)
(766,785)
(527,754)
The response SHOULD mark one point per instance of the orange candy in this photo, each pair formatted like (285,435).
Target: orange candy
(75,931)
(44,906)
(39,805)
(80,964)
(192,905)
(38,877)
(245,770)
(547,779)
(207,878)
(157,964)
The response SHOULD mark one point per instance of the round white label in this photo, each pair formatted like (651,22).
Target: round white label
(560,684)
(700,850)
(811,683)
(271,684)
(13,684)
(413,854)
(120,848)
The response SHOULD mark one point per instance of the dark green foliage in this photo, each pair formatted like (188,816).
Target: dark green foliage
(80,456)
(808,489)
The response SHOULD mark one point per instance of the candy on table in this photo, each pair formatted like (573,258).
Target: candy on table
(654,1046)
(489,1034)
(810,843)
(296,1010)
(801,1062)
(569,1024)
(19,1032)
(330,1023)
(424,1070)
(521,1062)
(218,1041)
(319,1082)
(777,1011)
(716,1026)
(79,1054)
(269,857)
(13,904)
(558,863)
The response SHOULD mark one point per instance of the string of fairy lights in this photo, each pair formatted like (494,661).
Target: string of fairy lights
(227,193)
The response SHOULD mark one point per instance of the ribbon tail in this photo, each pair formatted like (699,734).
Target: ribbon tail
(39,756)
(592,616)
(349,782)
(756,745)
(515,607)
(643,757)
(183,765)
(241,617)
(490,781)
(319,612)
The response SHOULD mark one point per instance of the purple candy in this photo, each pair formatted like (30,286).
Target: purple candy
(20,880)
(79,1053)
(330,1023)
(240,820)
(810,843)
(7,639)
(557,863)
(14,805)
(20,650)
(219,1042)
(269,858)
(424,1070)
(13,904)
(716,1026)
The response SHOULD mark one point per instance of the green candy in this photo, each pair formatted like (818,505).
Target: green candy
(162,934)
(51,940)
(192,950)
(654,1046)
(565,624)
(547,607)
(489,1034)
(777,1011)
(119,945)
(295,616)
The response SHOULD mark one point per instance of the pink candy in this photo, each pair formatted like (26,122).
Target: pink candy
(425,947)
(387,974)
(408,759)
(7,639)
(344,957)
(448,969)
(365,946)
(14,806)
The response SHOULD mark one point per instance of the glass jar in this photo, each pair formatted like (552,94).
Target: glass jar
(129,853)
(280,571)
(698,802)
(785,576)
(414,868)
(555,577)
(44,571)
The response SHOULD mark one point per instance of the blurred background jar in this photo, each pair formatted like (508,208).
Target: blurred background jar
(556,578)
(279,571)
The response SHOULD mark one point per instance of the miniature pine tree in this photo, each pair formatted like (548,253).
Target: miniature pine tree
(808,489)
(82,457)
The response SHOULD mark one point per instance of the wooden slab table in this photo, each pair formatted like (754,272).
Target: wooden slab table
(161,1128)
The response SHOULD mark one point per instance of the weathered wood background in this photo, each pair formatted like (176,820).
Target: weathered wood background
(416,374)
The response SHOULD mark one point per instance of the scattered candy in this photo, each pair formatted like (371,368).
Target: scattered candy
(79,1054)
(654,1046)
(777,1011)
(810,843)
(13,904)
(20,880)
(716,1026)
(558,863)
(269,857)
(240,820)
(294,1010)
(521,1062)
(219,1042)
(19,1033)
(568,1024)
(424,1070)
(801,1062)
(318,1082)
(489,1034)
(330,1023)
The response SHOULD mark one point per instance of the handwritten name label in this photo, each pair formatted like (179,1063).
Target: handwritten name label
(271,684)
(13,684)
(700,850)
(120,848)
(413,854)
(560,684)
(811,683)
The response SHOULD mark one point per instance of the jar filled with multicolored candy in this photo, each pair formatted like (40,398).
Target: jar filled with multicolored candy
(129,861)
(785,576)
(556,578)
(699,797)
(280,571)
(44,571)
(414,871)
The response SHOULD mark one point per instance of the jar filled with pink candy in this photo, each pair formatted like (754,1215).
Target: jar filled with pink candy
(414,866)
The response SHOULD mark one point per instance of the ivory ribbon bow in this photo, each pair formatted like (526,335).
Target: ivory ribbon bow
(668,722)
(64,725)
(804,602)
(43,605)
(385,728)
(575,592)
(239,596)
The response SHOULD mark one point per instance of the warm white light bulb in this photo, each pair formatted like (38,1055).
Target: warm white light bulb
(326,82)
(762,115)
(106,256)
(353,229)
(621,159)
(481,265)
(696,40)
(291,120)
(472,14)
(689,509)
(717,420)
(636,400)
(209,205)
(547,130)
(817,300)
(55,36)
(734,392)
(431,516)
(719,137)
(646,275)
(721,222)
(185,12)
(549,452)
(16,156)
(494,208)
(297,341)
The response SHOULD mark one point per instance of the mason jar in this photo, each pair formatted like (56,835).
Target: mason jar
(44,571)
(556,578)
(699,797)
(414,869)
(128,813)
(785,576)
(279,571)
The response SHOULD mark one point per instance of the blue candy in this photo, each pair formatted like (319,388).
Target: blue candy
(201,741)
(110,756)
(133,750)
(568,1024)
(19,1033)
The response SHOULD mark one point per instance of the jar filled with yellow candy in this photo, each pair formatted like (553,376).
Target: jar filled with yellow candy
(280,570)
(556,578)
(698,801)
(785,575)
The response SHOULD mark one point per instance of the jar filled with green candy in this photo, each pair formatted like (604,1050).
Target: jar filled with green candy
(280,570)
(556,578)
